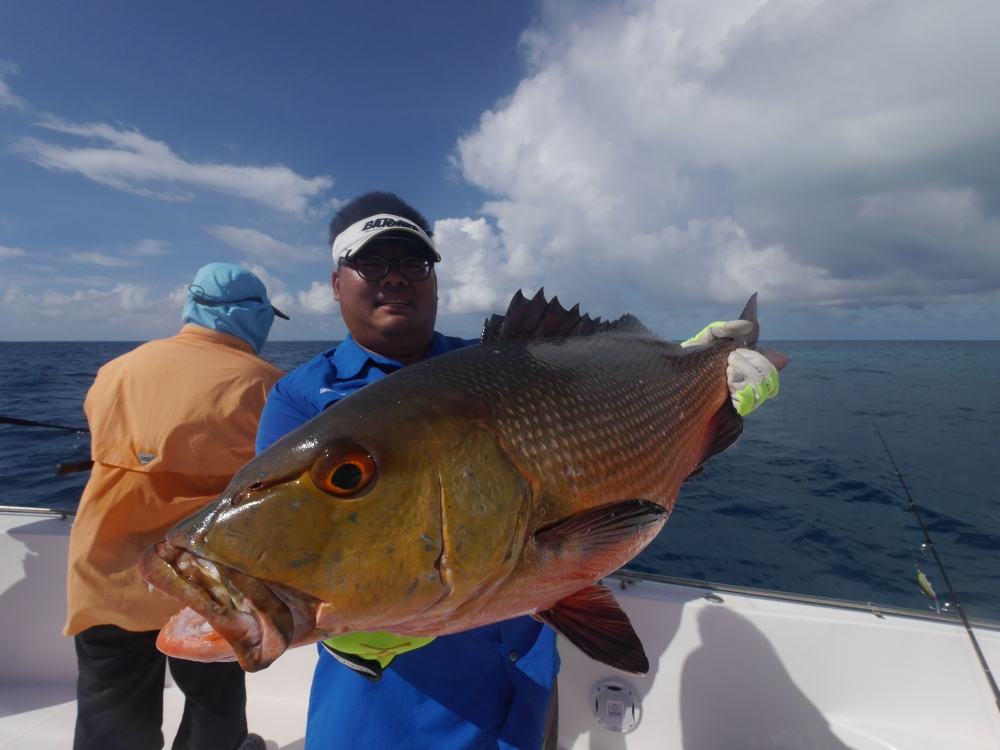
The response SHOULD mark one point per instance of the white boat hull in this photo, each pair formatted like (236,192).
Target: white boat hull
(730,669)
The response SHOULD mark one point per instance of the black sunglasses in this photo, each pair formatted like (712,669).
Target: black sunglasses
(376,268)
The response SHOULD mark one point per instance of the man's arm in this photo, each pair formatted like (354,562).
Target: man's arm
(282,413)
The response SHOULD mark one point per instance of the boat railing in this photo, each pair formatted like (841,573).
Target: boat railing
(33,511)
(627,577)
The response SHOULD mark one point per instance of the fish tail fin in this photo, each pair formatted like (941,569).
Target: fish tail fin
(778,359)
(750,314)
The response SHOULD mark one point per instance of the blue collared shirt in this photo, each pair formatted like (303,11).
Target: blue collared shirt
(484,688)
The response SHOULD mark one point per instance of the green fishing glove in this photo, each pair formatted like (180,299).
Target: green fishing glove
(369,654)
(751,376)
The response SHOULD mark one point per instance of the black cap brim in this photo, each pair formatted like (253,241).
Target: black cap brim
(279,313)
(406,238)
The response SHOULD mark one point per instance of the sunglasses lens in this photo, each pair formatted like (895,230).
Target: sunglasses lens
(415,268)
(376,268)
(371,267)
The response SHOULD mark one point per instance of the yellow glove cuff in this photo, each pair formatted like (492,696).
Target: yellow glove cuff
(377,646)
(749,397)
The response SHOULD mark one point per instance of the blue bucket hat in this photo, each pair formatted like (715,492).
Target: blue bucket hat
(229,298)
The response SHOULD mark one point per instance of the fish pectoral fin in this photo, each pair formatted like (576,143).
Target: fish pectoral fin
(592,621)
(606,528)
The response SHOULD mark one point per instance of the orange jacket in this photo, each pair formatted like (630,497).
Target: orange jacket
(170,423)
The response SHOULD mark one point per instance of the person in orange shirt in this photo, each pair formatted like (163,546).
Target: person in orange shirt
(171,421)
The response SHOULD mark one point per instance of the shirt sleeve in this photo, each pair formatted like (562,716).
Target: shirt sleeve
(283,412)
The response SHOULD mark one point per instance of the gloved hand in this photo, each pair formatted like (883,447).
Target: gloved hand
(369,654)
(751,376)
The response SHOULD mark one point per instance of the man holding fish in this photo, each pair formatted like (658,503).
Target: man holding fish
(488,686)
(459,489)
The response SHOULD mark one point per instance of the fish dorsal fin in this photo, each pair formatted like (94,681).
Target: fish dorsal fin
(591,620)
(541,318)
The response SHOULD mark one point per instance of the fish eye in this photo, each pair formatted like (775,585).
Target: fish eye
(343,470)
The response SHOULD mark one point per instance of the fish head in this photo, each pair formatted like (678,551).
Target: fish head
(365,518)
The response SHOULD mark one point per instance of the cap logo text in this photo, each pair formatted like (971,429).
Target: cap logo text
(382,223)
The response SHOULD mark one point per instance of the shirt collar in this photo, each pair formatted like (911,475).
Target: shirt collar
(195,331)
(350,357)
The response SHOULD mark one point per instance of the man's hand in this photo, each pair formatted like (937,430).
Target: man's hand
(369,654)
(752,380)
(751,376)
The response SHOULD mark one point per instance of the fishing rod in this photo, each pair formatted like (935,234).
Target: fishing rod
(62,469)
(33,423)
(929,545)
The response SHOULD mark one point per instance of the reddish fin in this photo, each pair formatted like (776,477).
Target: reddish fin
(606,527)
(592,621)
(538,318)
(728,428)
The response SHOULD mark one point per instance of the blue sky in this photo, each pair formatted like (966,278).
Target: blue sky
(658,157)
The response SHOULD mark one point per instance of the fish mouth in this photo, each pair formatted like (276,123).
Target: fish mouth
(229,615)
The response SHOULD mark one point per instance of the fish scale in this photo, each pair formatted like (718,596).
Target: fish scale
(560,408)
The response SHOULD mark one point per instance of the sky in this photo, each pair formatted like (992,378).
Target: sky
(665,158)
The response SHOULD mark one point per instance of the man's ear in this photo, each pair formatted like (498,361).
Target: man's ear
(335,283)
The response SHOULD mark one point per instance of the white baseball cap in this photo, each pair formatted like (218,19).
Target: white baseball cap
(349,242)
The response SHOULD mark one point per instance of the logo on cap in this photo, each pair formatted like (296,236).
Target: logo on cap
(385,222)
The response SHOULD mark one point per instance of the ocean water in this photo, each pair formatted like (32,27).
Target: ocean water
(806,502)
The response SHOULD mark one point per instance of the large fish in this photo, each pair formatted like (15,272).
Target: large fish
(494,481)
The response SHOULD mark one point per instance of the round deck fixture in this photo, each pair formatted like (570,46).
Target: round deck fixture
(616,705)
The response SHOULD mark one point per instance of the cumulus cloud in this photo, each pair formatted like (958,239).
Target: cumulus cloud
(317,299)
(263,246)
(6,253)
(670,151)
(103,305)
(277,290)
(476,273)
(130,161)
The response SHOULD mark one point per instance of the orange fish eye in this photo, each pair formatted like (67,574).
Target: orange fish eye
(343,470)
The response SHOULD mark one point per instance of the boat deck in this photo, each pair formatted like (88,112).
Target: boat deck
(731,668)
(41,716)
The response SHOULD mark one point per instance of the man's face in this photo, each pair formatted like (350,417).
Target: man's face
(394,316)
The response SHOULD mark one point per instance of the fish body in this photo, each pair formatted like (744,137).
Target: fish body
(490,482)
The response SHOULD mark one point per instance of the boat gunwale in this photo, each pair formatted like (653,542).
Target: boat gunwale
(628,577)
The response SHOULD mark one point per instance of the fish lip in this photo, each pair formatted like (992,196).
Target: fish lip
(259,619)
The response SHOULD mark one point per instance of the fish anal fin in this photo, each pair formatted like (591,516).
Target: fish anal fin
(592,621)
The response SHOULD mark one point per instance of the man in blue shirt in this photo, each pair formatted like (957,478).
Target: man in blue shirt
(491,687)
(485,688)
